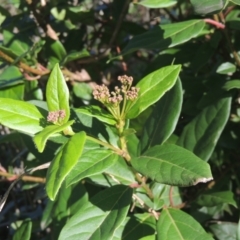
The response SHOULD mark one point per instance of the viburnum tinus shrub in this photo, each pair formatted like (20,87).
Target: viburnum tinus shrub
(97,145)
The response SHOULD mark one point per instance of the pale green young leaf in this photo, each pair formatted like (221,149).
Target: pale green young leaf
(41,138)
(157,3)
(152,88)
(21,116)
(101,216)
(172,165)
(63,163)
(57,93)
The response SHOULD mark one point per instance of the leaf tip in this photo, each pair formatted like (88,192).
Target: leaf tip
(202,180)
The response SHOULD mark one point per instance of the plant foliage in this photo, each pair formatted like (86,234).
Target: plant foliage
(120,119)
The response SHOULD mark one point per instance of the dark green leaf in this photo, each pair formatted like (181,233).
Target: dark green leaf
(63,163)
(41,138)
(163,120)
(202,133)
(57,93)
(165,36)
(179,226)
(10,76)
(152,88)
(172,165)
(21,116)
(90,163)
(99,218)
(215,198)
(24,231)
(137,226)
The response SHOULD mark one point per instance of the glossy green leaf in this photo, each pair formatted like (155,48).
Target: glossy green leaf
(67,202)
(224,230)
(10,76)
(24,231)
(99,218)
(41,138)
(136,227)
(157,3)
(208,6)
(58,93)
(91,162)
(226,68)
(172,165)
(121,171)
(97,112)
(63,163)
(163,119)
(180,226)
(232,84)
(152,88)
(215,198)
(21,116)
(18,43)
(15,92)
(165,36)
(202,133)
(75,55)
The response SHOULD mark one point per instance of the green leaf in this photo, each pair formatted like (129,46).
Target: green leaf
(63,163)
(97,112)
(232,84)
(21,116)
(99,218)
(75,55)
(172,165)
(24,231)
(41,138)
(57,93)
(208,6)
(226,68)
(18,43)
(157,3)
(216,198)
(202,133)
(166,36)
(83,91)
(179,226)
(91,162)
(237,2)
(10,76)
(137,227)
(152,88)
(224,230)
(161,195)
(163,120)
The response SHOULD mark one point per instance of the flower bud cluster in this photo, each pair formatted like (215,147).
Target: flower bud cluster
(102,93)
(56,116)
